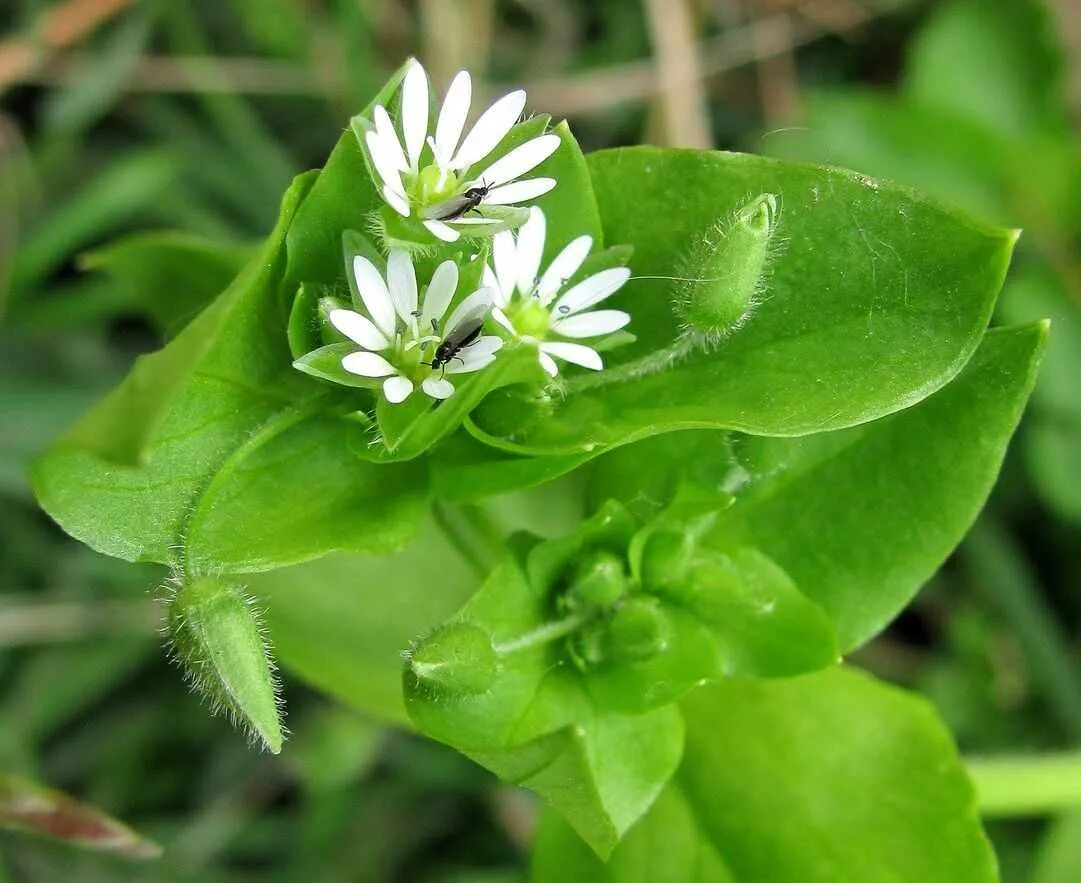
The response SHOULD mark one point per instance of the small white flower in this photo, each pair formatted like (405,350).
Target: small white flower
(524,304)
(441,184)
(396,336)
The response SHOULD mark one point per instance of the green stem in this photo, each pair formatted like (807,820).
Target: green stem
(547,633)
(1025,786)
(656,361)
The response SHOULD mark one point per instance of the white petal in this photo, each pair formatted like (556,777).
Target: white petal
(577,353)
(402,282)
(489,130)
(440,290)
(442,231)
(415,112)
(397,389)
(437,387)
(475,221)
(591,290)
(564,265)
(591,324)
(367,365)
(547,363)
(505,259)
(382,161)
(519,191)
(469,365)
(388,139)
(359,329)
(373,291)
(452,117)
(484,346)
(396,201)
(502,319)
(479,298)
(489,280)
(530,249)
(524,158)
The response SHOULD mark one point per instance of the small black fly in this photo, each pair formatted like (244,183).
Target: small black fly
(463,335)
(459,205)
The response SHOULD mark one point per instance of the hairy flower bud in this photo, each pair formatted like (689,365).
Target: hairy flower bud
(724,272)
(216,638)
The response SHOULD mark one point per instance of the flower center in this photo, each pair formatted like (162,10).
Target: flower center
(529,317)
(432,185)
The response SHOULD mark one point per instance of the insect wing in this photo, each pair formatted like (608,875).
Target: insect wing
(450,209)
(468,327)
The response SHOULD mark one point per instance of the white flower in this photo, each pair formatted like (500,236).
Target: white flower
(446,184)
(398,340)
(524,304)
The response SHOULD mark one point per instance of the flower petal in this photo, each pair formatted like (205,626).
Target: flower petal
(452,118)
(530,249)
(504,259)
(563,266)
(440,290)
(388,139)
(591,324)
(373,291)
(489,130)
(437,387)
(577,353)
(489,280)
(547,363)
(359,329)
(397,388)
(524,158)
(519,191)
(415,112)
(367,365)
(383,161)
(402,283)
(479,299)
(484,346)
(591,290)
(502,319)
(468,366)
(396,201)
(442,231)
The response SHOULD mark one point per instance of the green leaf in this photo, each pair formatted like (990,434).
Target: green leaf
(340,199)
(821,778)
(665,847)
(341,623)
(296,490)
(170,276)
(825,507)
(213,434)
(538,725)
(876,300)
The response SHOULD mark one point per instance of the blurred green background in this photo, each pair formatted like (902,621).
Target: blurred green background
(123,118)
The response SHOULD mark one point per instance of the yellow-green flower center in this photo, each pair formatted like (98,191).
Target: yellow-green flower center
(529,317)
(432,185)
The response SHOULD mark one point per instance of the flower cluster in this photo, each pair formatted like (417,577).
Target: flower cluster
(446,180)
(412,335)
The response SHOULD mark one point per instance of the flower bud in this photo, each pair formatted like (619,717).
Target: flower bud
(456,659)
(637,632)
(216,637)
(725,271)
(599,580)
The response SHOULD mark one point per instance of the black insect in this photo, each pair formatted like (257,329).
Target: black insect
(457,206)
(461,336)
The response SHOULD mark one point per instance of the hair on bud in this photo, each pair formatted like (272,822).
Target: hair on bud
(216,636)
(722,277)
